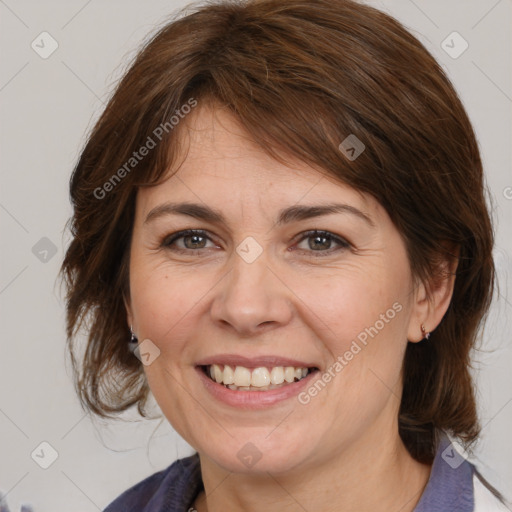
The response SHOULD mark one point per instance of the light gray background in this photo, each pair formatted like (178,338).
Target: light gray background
(47,105)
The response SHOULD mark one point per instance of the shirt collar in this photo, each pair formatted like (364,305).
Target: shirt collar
(450,486)
(179,488)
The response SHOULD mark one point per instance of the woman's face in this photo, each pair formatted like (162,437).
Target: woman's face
(257,285)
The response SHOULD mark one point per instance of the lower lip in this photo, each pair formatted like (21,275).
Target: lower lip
(254,399)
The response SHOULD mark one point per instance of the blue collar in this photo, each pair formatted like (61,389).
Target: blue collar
(450,486)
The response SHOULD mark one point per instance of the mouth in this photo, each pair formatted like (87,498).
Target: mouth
(262,378)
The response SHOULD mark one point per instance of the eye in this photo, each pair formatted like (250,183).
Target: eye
(322,242)
(192,239)
(319,242)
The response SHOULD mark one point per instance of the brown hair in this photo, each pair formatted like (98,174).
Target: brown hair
(301,76)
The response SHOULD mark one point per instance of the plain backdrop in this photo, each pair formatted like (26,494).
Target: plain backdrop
(47,106)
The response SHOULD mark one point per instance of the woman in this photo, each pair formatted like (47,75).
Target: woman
(283,205)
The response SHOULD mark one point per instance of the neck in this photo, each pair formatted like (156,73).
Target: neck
(364,477)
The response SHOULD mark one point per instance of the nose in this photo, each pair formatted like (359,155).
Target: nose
(251,298)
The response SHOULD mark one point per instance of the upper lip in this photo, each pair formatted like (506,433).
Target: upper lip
(253,362)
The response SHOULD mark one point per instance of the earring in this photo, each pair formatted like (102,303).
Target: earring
(133,337)
(426,335)
(133,344)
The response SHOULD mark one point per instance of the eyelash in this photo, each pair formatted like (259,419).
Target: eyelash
(171,239)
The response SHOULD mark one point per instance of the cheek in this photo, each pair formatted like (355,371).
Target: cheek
(359,305)
(364,314)
(165,303)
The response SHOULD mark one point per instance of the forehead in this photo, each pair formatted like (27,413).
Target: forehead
(219,162)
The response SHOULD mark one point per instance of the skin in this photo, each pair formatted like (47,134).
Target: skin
(341,451)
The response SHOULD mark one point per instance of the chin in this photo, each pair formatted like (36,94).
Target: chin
(248,457)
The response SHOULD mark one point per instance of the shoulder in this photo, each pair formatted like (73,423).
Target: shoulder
(137,496)
(485,498)
(179,483)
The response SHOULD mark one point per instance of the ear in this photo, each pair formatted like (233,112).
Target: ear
(432,299)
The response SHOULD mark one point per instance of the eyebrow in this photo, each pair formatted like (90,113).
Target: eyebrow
(287,215)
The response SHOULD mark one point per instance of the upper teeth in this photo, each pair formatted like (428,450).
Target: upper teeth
(259,377)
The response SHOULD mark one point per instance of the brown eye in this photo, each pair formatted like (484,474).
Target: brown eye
(322,241)
(193,239)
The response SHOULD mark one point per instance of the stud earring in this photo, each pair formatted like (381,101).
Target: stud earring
(426,335)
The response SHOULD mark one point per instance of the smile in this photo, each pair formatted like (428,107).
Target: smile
(240,378)
(255,397)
